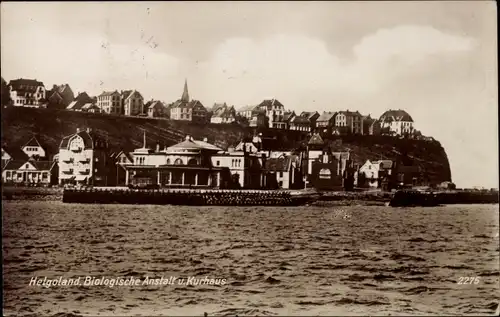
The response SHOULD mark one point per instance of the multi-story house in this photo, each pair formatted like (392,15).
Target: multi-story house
(275,111)
(312,116)
(27,93)
(371,174)
(83,159)
(325,122)
(371,126)
(287,118)
(283,172)
(223,114)
(33,148)
(258,120)
(300,123)
(349,122)
(110,102)
(60,96)
(397,122)
(132,102)
(188,110)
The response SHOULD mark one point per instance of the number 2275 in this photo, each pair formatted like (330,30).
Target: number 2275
(468,280)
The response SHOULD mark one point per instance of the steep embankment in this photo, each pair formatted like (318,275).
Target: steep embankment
(50,126)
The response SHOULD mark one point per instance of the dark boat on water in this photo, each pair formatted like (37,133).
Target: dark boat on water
(198,197)
(414,198)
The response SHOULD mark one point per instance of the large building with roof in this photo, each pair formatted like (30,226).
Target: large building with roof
(275,112)
(27,93)
(186,109)
(132,102)
(110,102)
(397,122)
(84,159)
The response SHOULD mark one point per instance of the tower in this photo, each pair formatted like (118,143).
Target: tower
(185,94)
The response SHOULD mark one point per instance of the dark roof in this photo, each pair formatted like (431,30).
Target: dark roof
(385,164)
(182,104)
(14,164)
(309,114)
(288,115)
(33,142)
(126,93)
(326,116)
(80,100)
(89,139)
(15,152)
(248,108)
(39,165)
(153,104)
(396,115)
(22,83)
(301,119)
(351,113)
(269,103)
(109,93)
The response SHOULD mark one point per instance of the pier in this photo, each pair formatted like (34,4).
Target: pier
(208,197)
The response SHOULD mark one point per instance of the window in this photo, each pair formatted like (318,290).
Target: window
(178,162)
(218,163)
(281,174)
(168,161)
(325,173)
(8,174)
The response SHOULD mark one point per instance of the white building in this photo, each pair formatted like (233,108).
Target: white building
(374,170)
(33,148)
(27,93)
(110,102)
(398,122)
(83,159)
(275,111)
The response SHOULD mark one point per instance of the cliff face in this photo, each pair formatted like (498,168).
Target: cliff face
(50,126)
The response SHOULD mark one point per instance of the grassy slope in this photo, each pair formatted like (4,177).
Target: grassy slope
(19,124)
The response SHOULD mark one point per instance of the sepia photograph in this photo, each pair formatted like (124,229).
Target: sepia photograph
(250,158)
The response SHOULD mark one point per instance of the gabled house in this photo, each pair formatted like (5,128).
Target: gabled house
(120,159)
(12,153)
(248,111)
(80,100)
(325,122)
(300,123)
(186,109)
(110,102)
(371,126)
(288,117)
(27,93)
(283,172)
(371,174)
(60,96)
(91,108)
(312,116)
(156,109)
(221,113)
(33,148)
(397,122)
(350,122)
(275,112)
(132,102)
(38,173)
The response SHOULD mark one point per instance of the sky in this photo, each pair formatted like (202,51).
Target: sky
(437,60)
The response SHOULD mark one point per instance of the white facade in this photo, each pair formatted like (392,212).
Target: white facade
(110,102)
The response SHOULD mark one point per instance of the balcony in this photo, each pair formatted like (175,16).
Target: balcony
(67,170)
(83,159)
(84,171)
(68,160)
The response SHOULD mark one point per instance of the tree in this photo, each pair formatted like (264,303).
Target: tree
(5,92)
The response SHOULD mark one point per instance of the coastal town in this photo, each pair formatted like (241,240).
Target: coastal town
(86,158)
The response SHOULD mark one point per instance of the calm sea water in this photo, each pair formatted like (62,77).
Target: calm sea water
(277,261)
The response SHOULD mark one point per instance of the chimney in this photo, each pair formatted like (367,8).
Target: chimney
(188,137)
(205,139)
(157,147)
(77,130)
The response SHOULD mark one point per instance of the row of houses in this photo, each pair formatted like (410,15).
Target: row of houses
(269,113)
(84,157)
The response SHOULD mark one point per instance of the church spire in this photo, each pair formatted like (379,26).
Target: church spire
(185,94)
